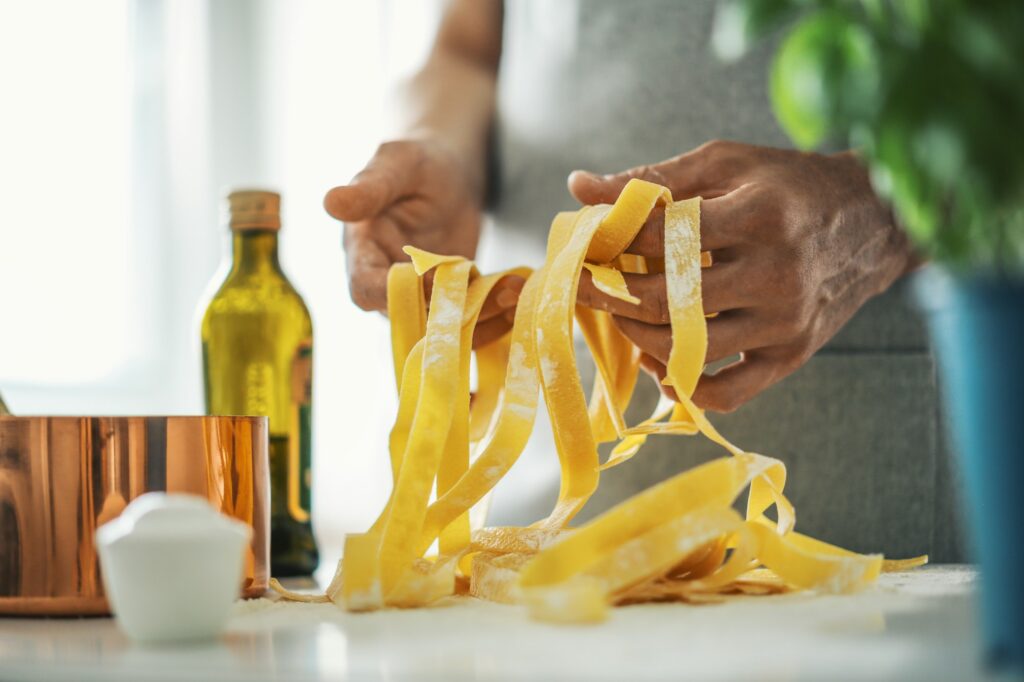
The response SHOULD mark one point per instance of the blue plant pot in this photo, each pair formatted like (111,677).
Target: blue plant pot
(977,330)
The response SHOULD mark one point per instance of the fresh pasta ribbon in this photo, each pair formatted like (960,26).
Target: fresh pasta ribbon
(680,539)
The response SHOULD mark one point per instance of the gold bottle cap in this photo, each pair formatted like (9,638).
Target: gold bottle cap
(252,209)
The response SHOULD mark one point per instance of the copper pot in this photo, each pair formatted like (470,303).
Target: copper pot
(62,477)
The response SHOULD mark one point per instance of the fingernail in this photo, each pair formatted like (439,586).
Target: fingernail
(507,298)
(583,174)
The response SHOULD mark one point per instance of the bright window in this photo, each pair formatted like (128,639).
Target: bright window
(64,190)
(122,123)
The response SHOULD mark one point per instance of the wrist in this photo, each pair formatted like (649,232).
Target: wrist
(455,163)
(450,104)
(907,257)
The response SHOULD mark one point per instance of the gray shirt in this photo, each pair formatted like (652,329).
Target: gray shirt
(604,85)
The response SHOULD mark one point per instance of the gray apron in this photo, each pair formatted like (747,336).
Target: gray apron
(604,85)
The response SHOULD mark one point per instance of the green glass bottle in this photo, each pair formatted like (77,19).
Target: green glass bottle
(257,340)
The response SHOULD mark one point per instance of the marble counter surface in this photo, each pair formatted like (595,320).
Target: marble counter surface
(910,626)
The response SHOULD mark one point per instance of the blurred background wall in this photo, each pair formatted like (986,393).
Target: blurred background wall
(122,125)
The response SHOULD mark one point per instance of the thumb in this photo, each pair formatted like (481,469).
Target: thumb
(386,178)
(590,188)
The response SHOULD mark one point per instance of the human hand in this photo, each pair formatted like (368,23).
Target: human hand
(799,242)
(414,192)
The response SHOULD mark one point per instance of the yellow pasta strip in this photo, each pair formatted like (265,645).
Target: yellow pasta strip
(514,422)
(624,356)
(408,309)
(610,281)
(682,265)
(718,482)
(455,459)
(624,451)
(812,570)
(424,582)
(606,418)
(679,539)
(425,261)
(440,382)
(408,397)
(581,600)
(636,436)
(356,580)
(628,262)
(574,440)
(492,363)
(704,561)
(686,312)
(620,228)
(897,565)
(495,576)
(744,553)
(689,347)
(360,574)
(664,547)
(516,540)
(563,393)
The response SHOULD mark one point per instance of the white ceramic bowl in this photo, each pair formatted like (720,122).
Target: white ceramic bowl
(171,567)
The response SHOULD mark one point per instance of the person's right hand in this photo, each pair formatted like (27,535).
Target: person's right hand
(418,193)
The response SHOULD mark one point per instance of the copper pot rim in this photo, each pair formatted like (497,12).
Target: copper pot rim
(189,417)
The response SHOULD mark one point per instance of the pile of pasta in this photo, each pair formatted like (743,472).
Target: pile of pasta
(678,540)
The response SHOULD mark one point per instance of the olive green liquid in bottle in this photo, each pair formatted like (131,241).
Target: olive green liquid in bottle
(257,340)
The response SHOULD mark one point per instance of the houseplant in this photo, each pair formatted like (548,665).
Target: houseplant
(931,93)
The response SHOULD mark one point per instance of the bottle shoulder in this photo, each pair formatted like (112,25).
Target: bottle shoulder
(257,293)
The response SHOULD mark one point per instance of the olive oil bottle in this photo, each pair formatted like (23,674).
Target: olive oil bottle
(257,340)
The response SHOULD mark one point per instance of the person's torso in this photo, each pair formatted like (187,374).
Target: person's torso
(605,85)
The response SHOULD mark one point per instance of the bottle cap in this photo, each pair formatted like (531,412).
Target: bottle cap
(253,209)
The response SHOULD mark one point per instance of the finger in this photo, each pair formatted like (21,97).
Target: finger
(706,171)
(722,289)
(736,384)
(367,267)
(654,340)
(658,370)
(487,331)
(739,331)
(724,219)
(728,336)
(650,240)
(728,286)
(650,289)
(590,188)
(503,297)
(711,170)
(388,176)
(721,223)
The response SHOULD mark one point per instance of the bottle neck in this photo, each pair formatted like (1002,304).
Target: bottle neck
(254,251)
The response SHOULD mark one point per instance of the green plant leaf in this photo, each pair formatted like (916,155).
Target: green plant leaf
(798,82)
(930,92)
(824,78)
(739,23)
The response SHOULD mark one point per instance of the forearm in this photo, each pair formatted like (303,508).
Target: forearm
(451,99)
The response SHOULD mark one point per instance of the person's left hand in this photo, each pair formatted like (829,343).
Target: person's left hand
(799,243)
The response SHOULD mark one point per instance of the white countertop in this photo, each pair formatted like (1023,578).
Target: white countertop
(910,626)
